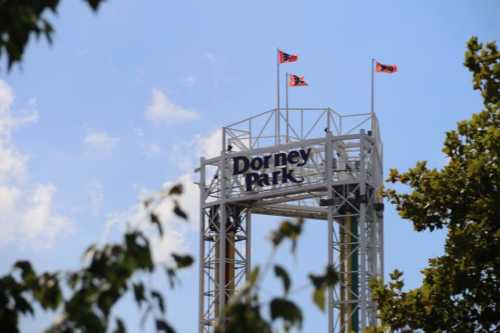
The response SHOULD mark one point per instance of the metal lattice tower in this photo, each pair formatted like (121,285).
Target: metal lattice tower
(340,174)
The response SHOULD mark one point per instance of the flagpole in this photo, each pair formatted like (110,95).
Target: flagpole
(372,111)
(286,105)
(373,88)
(277,115)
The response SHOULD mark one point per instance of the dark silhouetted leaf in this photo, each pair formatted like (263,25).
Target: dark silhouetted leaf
(159,300)
(147,202)
(182,261)
(171,275)
(27,272)
(139,293)
(155,220)
(94,3)
(282,308)
(120,326)
(163,326)
(23,306)
(179,212)
(47,292)
(283,275)
(176,190)
(287,230)
(19,20)
(328,279)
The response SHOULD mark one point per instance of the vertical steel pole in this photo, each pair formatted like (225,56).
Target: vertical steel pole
(201,259)
(222,232)
(373,88)
(277,114)
(381,251)
(329,182)
(381,220)
(250,142)
(278,79)
(248,244)
(286,107)
(362,230)
(302,124)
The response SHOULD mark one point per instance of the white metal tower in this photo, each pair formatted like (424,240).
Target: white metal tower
(301,162)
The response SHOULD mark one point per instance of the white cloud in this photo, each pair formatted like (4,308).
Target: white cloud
(82,52)
(186,155)
(96,197)
(211,145)
(152,149)
(39,223)
(100,141)
(12,163)
(8,198)
(6,96)
(162,110)
(26,210)
(189,81)
(210,57)
(176,230)
(139,132)
(26,115)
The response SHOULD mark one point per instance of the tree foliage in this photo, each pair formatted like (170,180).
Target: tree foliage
(85,297)
(21,19)
(461,289)
(245,311)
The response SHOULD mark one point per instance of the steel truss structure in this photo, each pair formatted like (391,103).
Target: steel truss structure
(340,184)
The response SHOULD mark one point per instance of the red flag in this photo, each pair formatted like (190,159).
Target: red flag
(285,57)
(296,81)
(385,68)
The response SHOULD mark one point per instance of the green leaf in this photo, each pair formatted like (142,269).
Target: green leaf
(27,272)
(171,276)
(280,272)
(327,279)
(155,220)
(47,291)
(176,190)
(94,4)
(321,283)
(319,298)
(179,212)
(281,308)
(23,306)
(287,230)
(138,250)
(254,275)
(331,276)
(120,326)
(163,326)
(182,261)
(159,300)
(139,293)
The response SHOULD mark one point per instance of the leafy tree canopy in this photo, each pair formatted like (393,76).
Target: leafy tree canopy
(461,289)
(20,19)
(85,297)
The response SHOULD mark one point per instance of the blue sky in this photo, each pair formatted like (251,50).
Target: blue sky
(127,100)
